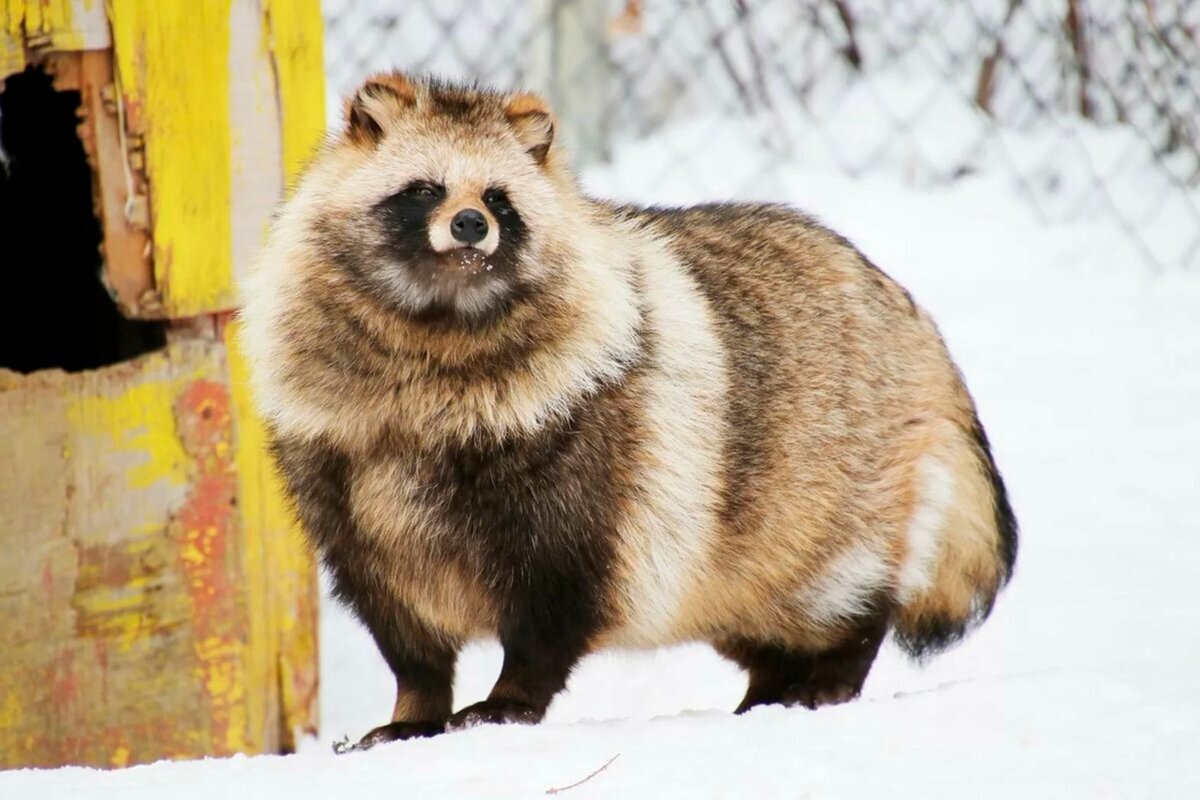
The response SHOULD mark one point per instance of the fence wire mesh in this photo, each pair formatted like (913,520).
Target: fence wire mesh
(1091,107)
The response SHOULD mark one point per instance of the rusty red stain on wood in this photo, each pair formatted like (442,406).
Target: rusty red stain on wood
(64,688)
(208,522)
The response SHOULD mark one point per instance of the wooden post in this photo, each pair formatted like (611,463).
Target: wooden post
(156,598)
(569,62)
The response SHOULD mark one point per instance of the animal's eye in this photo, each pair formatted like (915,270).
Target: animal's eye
(423,190)
(497,201)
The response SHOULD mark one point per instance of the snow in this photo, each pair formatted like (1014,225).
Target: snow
(1086,368)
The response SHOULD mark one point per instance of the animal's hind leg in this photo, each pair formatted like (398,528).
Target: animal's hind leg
(771,669)
(779,676)
(838,674)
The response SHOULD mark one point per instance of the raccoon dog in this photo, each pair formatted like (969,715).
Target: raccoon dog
(503,409)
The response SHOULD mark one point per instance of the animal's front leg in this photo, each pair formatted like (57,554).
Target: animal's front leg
(423,664)
(540,650)
(533,673)
(423,697)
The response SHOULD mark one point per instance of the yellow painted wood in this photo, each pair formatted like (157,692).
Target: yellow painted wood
(173,64)
(295,31)
(49,25)
(156,600)
(119,600)
(12,37)
(173,68)
(50,21)
(281,586)
(159,601)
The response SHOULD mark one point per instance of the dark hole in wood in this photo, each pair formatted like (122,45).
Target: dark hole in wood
(54,311)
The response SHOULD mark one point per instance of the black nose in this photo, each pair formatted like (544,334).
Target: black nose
(468,226)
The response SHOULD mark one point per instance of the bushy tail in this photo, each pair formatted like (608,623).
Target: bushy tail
(975,549)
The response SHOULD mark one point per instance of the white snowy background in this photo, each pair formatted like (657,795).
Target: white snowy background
(1086,680)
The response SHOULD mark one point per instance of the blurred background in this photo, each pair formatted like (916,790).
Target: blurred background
(1091,108)
(1030,169)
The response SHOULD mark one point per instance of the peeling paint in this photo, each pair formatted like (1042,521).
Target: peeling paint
(282,604)
(207,522)
(295,41)
(156,597)
(45,25)
(138,423)
(155,601)
(173,66)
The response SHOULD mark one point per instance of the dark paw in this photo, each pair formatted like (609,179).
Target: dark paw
(815,696)
(392,732)
(494,712)
(752,703)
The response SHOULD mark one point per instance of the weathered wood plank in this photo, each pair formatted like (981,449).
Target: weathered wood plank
(38,26)
(119,192)
(228,99)
(255,133)
(280,568)
(174,80)
(142,550)
(222,102)
(294,28)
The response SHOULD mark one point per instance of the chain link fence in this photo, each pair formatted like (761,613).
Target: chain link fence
(1091,107)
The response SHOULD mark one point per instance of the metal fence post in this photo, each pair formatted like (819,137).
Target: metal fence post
(579,76)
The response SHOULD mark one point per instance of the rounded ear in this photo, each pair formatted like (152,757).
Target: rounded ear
(533,122)
(380,97)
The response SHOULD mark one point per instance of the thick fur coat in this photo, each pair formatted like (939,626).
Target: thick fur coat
(504,409)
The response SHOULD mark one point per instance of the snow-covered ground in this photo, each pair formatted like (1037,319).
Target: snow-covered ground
(1084,683)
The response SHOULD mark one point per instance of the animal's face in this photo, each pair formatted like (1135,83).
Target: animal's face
(440,202)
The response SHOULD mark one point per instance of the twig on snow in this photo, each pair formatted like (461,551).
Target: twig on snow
(603,767)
